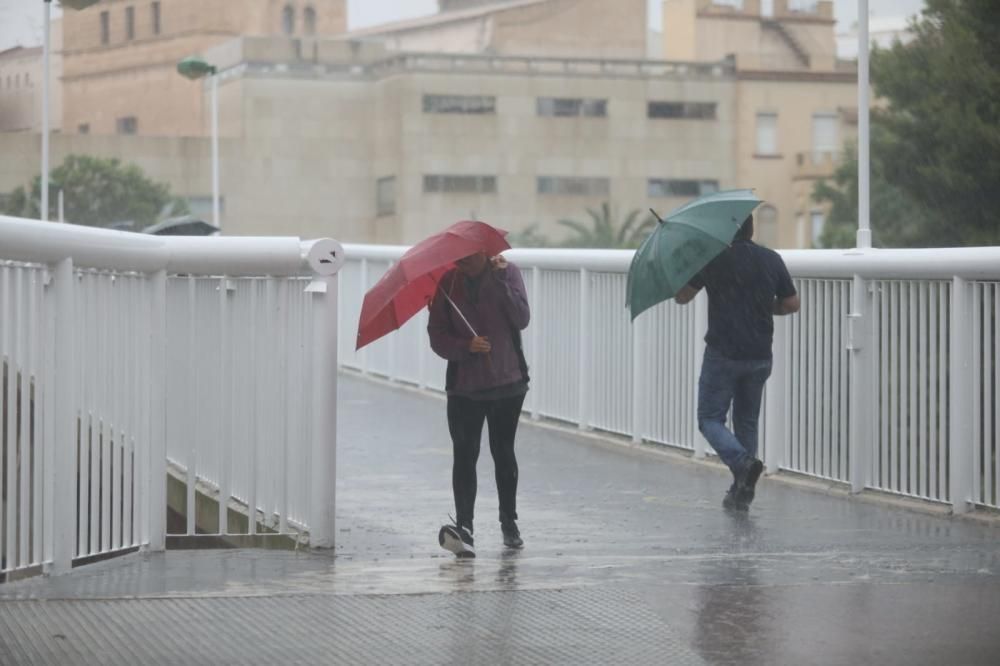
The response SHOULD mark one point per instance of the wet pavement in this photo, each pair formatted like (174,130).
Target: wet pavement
(629,558)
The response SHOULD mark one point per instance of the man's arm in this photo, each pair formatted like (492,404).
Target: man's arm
(786,306)
(686,294)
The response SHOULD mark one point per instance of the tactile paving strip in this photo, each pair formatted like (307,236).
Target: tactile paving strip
(595,625)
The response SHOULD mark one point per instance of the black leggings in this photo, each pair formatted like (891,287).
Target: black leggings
(465,422)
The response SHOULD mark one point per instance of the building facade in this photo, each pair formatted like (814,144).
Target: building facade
(120,57)
(514,112)
(21,72)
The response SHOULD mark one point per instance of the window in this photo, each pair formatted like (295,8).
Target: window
(570,186)
(464,184)
(127,125)
(83,128)
(766,225)
(27,80)
(385,196)
(156,18)
(824,135)
(17,80)
(571,107)
(657,187)
(309,21)
(105,28)
(817,218)
(130,23)
(767,134)
(288,20)
(696,110)
(475,104)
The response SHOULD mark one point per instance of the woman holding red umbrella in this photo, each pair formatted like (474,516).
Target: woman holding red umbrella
(476,319)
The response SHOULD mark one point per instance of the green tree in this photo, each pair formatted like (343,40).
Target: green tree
(602,230)
(936,143)
(530,236)
(97,192)
(896,219)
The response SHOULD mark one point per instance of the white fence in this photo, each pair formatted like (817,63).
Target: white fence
(130,357)
(886,379)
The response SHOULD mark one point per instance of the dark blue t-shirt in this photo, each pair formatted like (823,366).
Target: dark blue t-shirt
(742,285)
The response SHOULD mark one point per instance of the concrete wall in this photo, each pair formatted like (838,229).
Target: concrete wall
(580,28)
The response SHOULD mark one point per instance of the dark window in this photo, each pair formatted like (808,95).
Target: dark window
(658,187)
(696,110)
(27,79)
(475,104)
(288,20)
(572,107)
(455,184)
(385,196)
(588,187)
(156,18)
(309,21)
(83,128)
(130,23)
(105,28)
(127,125)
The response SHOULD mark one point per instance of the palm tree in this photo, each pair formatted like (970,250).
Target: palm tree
(603,232)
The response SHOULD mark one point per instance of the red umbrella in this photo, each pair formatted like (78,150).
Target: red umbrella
(410,284)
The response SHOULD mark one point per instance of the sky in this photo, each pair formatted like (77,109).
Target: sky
(21,20)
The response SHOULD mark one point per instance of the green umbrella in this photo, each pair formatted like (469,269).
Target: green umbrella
(684,242)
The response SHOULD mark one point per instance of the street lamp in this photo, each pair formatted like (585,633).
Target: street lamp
(196,68)
(71,4)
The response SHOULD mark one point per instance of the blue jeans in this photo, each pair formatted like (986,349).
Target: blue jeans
(726,382)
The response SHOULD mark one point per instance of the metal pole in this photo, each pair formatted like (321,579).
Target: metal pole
(46,47)
(62,205)
(215,152)
(864,240)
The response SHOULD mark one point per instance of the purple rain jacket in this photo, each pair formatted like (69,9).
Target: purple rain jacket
(496,305)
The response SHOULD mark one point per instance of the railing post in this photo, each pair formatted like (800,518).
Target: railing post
(638,396)
(60,447)
(700,329)
(774,406)
(157,486)
(584,418)
(324,411)
(536,351)
(363,285)
(859,336)
(960,431)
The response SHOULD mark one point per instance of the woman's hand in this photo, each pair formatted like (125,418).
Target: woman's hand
(480,345)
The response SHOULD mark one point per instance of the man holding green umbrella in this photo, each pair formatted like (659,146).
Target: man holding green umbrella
(707,244)
(747,286)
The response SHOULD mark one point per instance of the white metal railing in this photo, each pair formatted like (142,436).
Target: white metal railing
(128,358)
(886,379)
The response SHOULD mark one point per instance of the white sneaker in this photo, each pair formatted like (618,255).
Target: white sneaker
(456,539)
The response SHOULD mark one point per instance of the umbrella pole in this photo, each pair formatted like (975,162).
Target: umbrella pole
(471,330)
(489,362)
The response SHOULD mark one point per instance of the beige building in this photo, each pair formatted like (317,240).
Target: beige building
(539,28)
(120,73)
(795,101)
(21,86)
(521,113)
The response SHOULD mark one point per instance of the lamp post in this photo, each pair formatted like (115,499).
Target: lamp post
(46,47)
(196,68)
(864,239)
